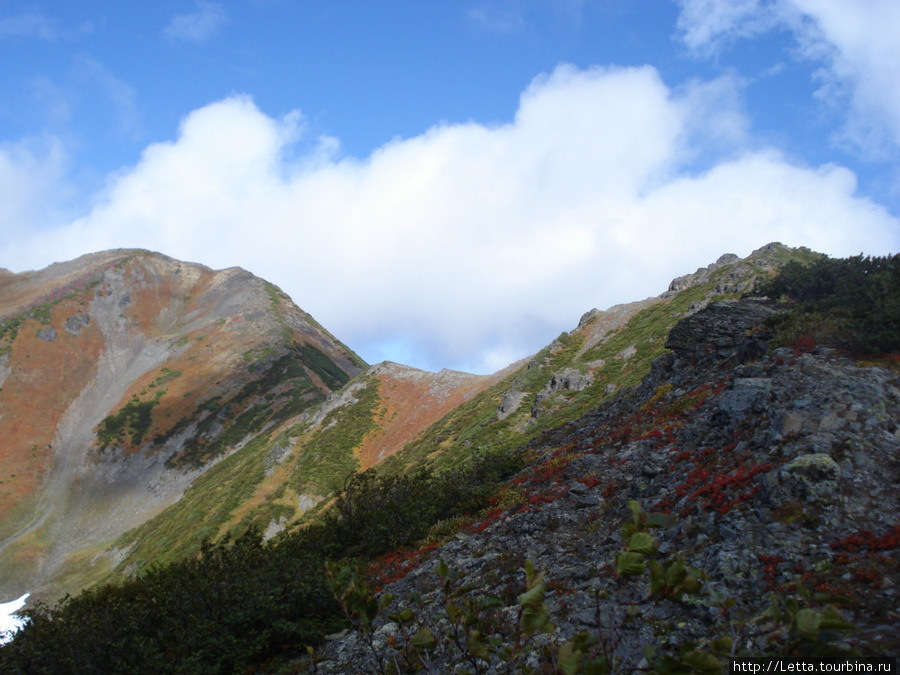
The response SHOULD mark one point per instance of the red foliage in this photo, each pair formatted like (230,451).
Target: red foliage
(610,490)
(867,539)
(872,576)
(804,344)
(395,565)
(770,569)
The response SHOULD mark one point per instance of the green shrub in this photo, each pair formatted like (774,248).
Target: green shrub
(853,302)
(232,606)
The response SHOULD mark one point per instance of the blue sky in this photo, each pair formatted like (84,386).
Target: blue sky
(449,183)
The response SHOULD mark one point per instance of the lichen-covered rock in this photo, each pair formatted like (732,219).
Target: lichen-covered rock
(814,477)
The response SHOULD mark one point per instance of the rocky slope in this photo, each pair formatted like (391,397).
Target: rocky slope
(125,375)
(779,468)
(178,404)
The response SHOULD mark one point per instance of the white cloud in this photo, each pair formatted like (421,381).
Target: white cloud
(709,25)
(31,186)
(855,43)
(470,245)
(198,26)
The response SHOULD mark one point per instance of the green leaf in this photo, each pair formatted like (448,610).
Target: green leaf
(568,659)
(476,646)
(808,621)
(722,645)
(596,666)
(442,569)
(385,600)
(489,602)
(660,520)
(629,563)
(635,508)
(702,661)
(792,606)
(424,639)
(691,586)
(832,619)
(642,543)
(676,573)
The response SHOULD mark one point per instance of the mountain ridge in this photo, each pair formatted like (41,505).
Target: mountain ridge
(117,347)
(232,442)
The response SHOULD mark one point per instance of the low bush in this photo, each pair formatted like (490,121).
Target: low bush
(852,302)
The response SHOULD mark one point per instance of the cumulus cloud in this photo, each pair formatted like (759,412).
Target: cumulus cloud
(472,245)
(197,26)
(855,43)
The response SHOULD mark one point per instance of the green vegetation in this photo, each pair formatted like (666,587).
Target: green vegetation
(474,424)
(853,303)
(333,377)
(166,375)
(206,507)
(9,329)
(10,325)
(329,459)
(466,633)
(133,419)
(244,413)
(233,606)
(372,515)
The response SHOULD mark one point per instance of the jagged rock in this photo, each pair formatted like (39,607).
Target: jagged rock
(509,403)
(747,394)
(702,274)
(569,379)
(586,318)
(76,323)
(723,328)
(47,334)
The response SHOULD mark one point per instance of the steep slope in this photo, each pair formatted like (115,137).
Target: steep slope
(579,370)
(276,482)
(126,375)
(777,471)
(196,404)
(398,418)
(777,468)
